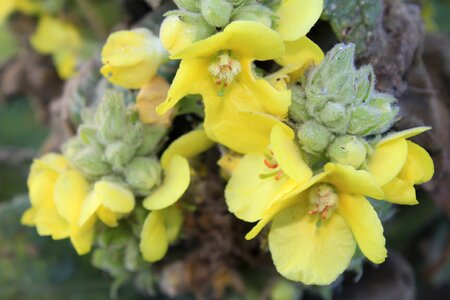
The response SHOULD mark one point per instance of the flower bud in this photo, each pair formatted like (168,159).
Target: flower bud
(335,117)
(216,12)
(365,83)
(254,12)
(132,57)
(89,161)
(178,32)
(143,173)
(118,154)
(87,134)
(111,118)
(189,5)
(347,150)
(313,137)
(152,136)
(374,117)
(297,110)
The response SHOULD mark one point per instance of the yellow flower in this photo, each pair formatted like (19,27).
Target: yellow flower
(398,164)
(296,17)
(57,193)
(220,69)
(314,240)
(162,224)
(28,7)
(59,39)
(108,201)
(131,57)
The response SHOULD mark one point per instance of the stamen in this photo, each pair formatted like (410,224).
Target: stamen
(323,199)
(270,164)
(224,70)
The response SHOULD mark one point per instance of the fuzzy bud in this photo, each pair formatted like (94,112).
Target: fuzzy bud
(216,12)
(189,5)
(152,136)
(297,110)
(143,173)
(313,137)
(118,154)
(178,32)
(374,117)
(348,150)
(111,118)
(89,161)
(254,12)
(335,117)
(87,135)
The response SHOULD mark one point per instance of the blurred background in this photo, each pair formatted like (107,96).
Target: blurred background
(43,87)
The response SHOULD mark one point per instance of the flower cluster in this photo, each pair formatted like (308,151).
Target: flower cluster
(307,146)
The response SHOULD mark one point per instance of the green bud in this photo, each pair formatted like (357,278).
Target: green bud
(190,5)
(72,147)
(87,134)
(297,110)
(365,83)
(89,161)
(216,12)
(254,12)
(314,137)
(335,117)
(118,154)
(111,117)
(348,150)
(374,117)
(340,57)
(152,136)
(143,173)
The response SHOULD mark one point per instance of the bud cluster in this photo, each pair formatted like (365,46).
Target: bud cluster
(198,19)
(114,145)
(336,106)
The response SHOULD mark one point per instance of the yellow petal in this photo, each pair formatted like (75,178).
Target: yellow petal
(229,162)
(154,243)
(243,132)
(71,188)
(399,191)
(28,217)
(303,252)
(114,196)
(28,6)
(173,219)
(130,77)
(49,222)
(247,194)
(299,56)
(6,9)
(50,162)
(365,224)
(295,196)
(89,207)
(288,156)
(65,62)
(187,146)
(405,134)
(175,34)
(53,35)
(388,160)
(176,181)
(349,180)
(108,217)
(41,187)
(191,76)
(82,237)
(296,17)
(246,38)
(419,167)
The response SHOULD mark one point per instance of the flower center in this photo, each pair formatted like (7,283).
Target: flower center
(323,199)
(274,169)
(224,70)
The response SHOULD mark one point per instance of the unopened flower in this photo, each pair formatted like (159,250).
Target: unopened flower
(131,57)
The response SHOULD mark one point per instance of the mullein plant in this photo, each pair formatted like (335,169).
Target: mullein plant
(308,148)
